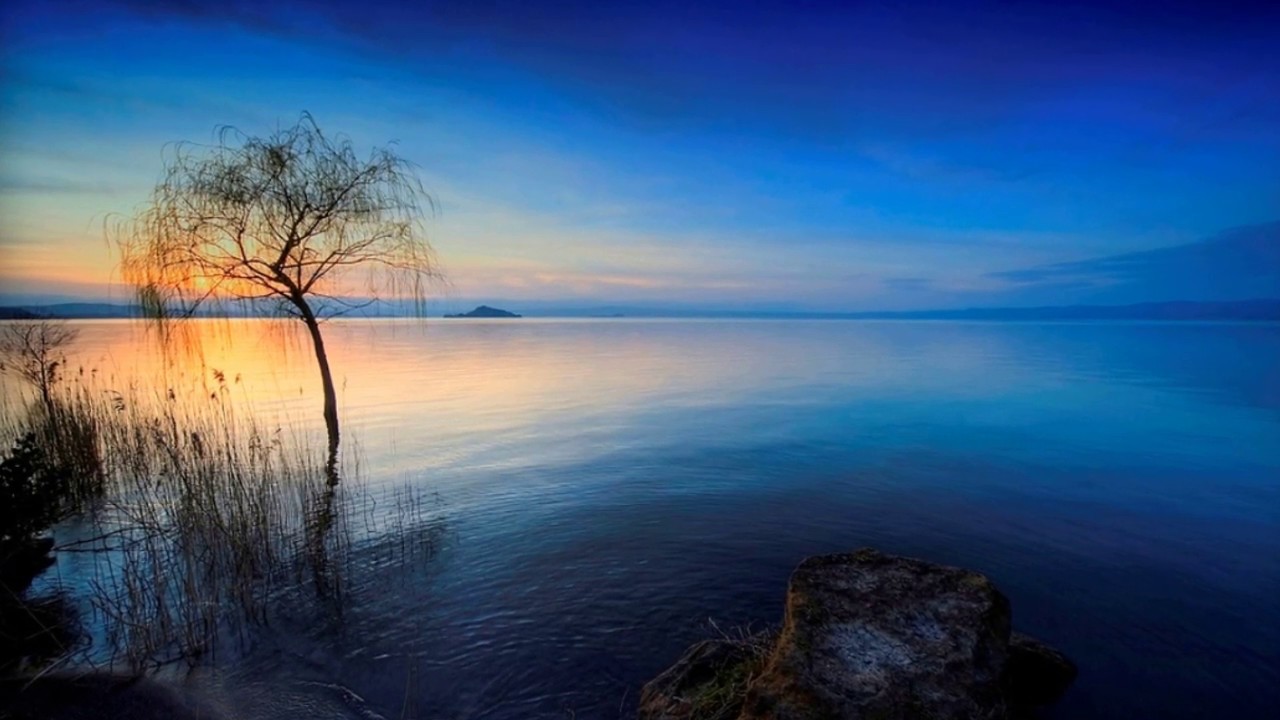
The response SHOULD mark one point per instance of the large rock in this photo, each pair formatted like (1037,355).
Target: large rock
(869,635)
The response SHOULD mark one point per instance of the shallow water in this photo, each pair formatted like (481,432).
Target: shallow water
(610,485)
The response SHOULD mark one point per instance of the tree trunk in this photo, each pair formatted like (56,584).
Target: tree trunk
(326,380)
(47,397)
(322,521)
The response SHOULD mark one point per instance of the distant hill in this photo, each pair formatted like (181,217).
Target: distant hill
(105,311)
(1264,310)
(17,313)
(81,310)
(1232,310)
(484,311)
(1244,310)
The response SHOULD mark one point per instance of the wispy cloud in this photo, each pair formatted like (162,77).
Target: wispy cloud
(51,186)
(1240,263)
(908,284)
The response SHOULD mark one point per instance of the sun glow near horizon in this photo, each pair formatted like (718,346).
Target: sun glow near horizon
(561,174)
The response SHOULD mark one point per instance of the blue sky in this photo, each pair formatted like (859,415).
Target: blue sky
(720,155)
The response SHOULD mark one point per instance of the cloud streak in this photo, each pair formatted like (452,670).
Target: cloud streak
(1242,263)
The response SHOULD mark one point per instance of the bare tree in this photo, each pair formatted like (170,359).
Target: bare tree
(295,221)
(34,351)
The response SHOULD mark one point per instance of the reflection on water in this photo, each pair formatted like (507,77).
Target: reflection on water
(610,485)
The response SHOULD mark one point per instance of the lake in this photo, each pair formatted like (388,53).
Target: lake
(610,486)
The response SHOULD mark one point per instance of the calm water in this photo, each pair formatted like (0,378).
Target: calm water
(610,485)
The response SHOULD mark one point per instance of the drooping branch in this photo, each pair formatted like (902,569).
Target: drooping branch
(296,211)
(285,218)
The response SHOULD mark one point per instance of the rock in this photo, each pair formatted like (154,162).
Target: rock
(868,635)
(1036,674)
(707,682)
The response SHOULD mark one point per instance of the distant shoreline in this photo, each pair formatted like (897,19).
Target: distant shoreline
(1263,310)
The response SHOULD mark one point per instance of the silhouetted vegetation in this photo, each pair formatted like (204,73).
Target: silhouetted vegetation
(33,496)
(32,493)
(280,222)
(53,467)
(200,520)
(35,351)
(65,440)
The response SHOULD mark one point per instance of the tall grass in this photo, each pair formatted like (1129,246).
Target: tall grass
(202,519)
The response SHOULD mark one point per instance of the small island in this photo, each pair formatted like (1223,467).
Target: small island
(484,311)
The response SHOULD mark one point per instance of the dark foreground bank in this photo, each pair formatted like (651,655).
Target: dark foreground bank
(866,635)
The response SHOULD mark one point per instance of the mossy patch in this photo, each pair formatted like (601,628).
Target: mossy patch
(721,698)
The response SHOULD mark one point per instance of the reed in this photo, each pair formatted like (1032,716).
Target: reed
(201,520)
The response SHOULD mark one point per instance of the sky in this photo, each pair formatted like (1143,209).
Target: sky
(718,155)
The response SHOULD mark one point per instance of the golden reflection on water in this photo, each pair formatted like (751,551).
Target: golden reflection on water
(438,392)
(526,367)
